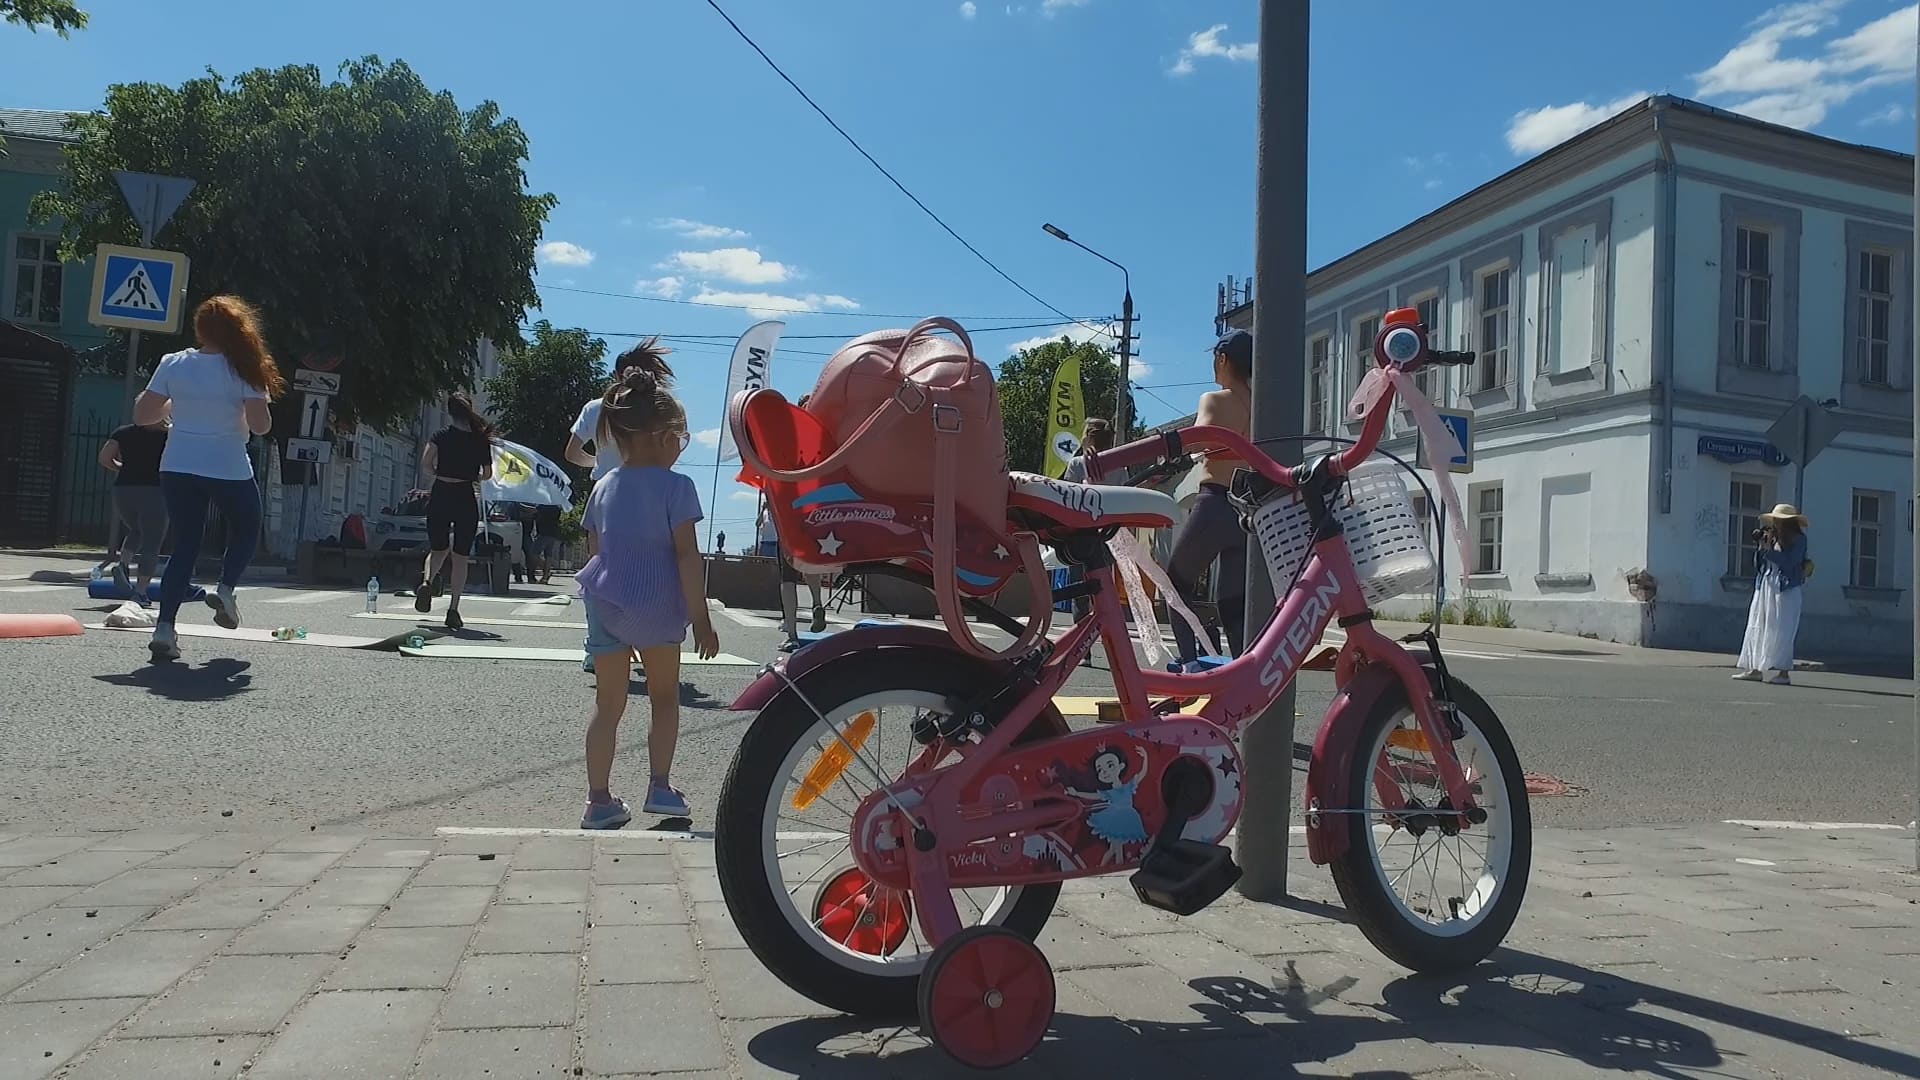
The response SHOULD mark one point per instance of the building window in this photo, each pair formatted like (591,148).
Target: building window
(1753,299)
(1489,528)
(1873,332)
(1869,537)
(36,279)
(1494,329)
(1432,380)
(1366,330)
(1423,513)
(1747,498)
(1319,361)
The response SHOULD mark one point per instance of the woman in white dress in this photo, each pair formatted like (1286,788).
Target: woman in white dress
(1774,618)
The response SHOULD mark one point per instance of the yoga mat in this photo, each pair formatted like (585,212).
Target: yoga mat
(100,586)
(36,626)
(251,633)
(473,620)
(572,656)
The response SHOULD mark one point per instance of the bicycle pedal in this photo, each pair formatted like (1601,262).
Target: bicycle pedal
(1185,876)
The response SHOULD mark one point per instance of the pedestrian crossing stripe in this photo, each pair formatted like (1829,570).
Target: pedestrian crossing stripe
(136,293)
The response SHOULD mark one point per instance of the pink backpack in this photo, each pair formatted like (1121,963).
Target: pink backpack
(898,457)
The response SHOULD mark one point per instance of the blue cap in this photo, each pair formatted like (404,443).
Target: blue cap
(1238,345)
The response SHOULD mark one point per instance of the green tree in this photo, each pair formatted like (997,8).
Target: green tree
(542,385)
(1026,383)
(369,217)
(61,15)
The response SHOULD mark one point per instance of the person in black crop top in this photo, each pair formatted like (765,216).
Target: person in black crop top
(458,456)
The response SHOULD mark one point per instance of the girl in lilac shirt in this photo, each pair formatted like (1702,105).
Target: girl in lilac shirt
(643,584)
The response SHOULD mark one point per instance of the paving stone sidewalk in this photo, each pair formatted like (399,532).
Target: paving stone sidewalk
(1712,951)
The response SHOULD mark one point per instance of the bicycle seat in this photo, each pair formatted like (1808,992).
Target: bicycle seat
(1091,506)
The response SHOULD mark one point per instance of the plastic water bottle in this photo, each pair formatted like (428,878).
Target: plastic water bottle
(373,595)
(415,641)
(289,633)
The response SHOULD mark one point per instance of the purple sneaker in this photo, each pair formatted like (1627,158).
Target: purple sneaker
(606,815)
(664,800)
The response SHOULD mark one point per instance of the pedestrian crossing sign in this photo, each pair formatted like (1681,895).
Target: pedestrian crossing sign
(138,288)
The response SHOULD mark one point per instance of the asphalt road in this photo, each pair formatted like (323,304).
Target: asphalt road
(284,735)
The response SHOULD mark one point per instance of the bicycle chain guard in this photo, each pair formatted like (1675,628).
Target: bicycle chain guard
(1103,786)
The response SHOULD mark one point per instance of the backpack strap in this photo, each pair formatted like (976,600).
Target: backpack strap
(946,594)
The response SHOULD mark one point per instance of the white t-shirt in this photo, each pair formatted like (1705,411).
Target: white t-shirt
(209,436)
(606,456)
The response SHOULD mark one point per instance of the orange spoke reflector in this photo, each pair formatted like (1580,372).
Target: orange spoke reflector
(1408,739)
(833,761)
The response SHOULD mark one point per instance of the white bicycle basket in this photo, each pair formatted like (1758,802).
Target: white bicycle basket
(1383,532)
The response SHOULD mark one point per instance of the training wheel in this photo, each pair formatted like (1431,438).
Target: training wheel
(869,919)
(987,997)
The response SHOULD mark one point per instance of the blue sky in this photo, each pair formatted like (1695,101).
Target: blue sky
(686,170)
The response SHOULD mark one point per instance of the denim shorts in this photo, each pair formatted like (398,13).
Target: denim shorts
(599,641)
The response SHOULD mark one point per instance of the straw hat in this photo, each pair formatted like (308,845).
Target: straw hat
(1786,512)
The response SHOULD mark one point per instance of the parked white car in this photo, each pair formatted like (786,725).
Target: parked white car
(399,528)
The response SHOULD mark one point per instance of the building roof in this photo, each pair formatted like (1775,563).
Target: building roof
(49,125)
(1683,120)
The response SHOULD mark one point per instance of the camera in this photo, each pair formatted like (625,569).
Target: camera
(1761,534)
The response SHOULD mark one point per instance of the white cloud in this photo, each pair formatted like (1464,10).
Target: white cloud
(1756,79)
(1054,7)
(968,11)
(563,253)
(743,265)
(1536,130)
(745,496)
(767,305)
(666,288)
(699,230)
(1206,43)
(1892,114)
(1138,369)
(707,437)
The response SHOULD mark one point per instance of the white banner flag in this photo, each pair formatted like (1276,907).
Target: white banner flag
(752,356)
(520,475)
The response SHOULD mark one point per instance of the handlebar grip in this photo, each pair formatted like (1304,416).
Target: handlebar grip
(1153,448)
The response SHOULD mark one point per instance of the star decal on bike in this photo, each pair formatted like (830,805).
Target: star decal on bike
(830,545)
(999,551)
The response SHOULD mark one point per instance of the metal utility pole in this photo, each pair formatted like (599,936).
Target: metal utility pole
(1279,315)
(1120,395)
(1916,488)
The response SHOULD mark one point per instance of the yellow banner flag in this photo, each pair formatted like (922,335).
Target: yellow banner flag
(1065,417)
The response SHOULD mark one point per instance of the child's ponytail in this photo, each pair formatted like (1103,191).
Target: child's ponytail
(640,400)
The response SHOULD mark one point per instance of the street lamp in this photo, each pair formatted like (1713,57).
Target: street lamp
(1120,417)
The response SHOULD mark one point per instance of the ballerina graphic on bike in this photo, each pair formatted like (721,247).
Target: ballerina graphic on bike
(1114,819)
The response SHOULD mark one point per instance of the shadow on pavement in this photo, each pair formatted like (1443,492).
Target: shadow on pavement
(214,680)
(691,696)
(1244,1028)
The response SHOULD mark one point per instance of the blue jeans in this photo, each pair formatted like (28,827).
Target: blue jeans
(187,499)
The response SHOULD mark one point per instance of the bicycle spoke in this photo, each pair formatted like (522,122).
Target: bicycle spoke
(802,883)
(809,847)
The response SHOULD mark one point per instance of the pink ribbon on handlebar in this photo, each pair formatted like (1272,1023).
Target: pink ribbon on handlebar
(1438,438)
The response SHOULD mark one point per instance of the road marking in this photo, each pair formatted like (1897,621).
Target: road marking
(533,610)
(475,620)
(1811,826)
(1754,862)
(36,588)
(316,597)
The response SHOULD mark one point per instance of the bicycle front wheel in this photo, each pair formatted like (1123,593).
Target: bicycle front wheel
(1431,901)
(782,830)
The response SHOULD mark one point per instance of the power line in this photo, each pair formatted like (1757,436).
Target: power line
(851,141)
(797,312)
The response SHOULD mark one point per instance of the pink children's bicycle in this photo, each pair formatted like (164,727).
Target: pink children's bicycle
(895,826)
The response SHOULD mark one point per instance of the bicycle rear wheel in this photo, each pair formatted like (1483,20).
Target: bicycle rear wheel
(1431,901)
(781,831)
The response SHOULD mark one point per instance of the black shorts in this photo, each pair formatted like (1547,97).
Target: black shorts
(453,517)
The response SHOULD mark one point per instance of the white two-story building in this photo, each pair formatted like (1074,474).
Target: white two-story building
(1646,300)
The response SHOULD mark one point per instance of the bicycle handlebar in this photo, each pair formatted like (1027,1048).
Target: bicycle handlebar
(1402,342)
